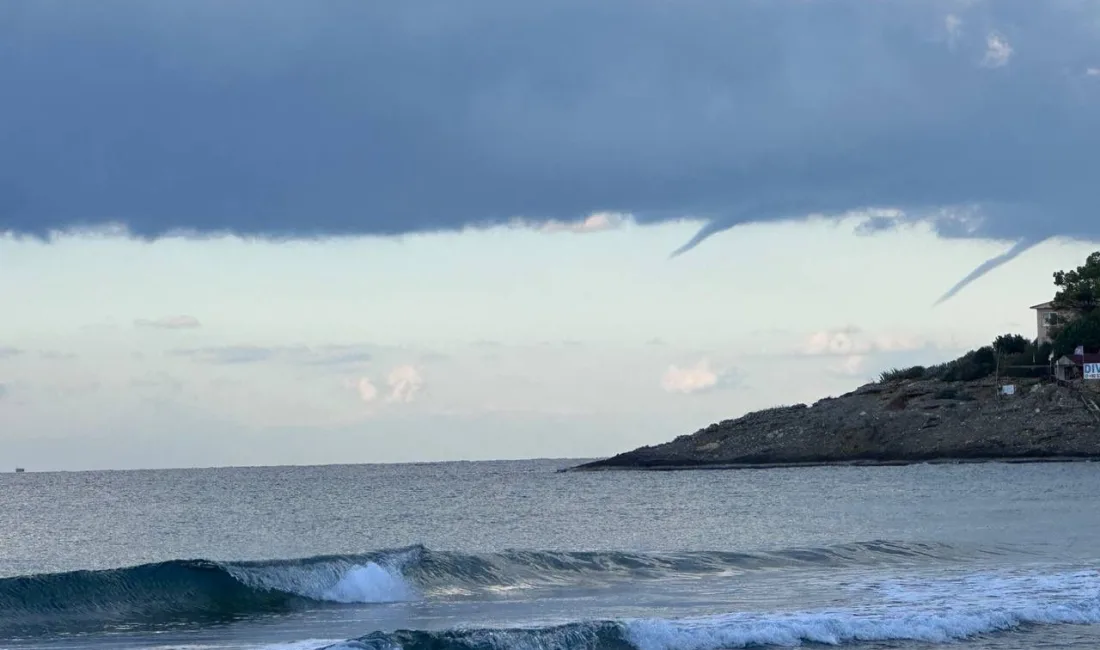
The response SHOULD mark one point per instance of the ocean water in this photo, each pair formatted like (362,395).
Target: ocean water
(515,556)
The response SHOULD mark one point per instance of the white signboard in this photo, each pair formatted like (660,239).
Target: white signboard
(1009,389)
(1092,371)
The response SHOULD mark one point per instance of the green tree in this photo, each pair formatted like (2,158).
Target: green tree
(1084,330)
(1011,344)
(1032,361)
(1079,289)
(976,364)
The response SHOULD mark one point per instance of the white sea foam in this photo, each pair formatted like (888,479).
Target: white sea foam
(918,608)
(307,644)
(913,609)
(340,582)
(740,631)
(372,583)
(991,588)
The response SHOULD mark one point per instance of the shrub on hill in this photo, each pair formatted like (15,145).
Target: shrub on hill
(1079,331)
(1018,358)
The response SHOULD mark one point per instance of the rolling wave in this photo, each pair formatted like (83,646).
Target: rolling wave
(203,590)
(929,611)
(733,631)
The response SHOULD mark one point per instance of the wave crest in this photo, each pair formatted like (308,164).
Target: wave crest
(744,630)
(203,590)
(192,591)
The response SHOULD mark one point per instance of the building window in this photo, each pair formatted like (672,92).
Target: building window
(1048,318)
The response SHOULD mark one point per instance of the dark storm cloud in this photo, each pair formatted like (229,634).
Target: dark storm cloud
(301,119)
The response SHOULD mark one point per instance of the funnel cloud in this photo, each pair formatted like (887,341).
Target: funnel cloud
(985,267)
(289,119)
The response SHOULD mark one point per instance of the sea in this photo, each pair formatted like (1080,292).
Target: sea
(518,556)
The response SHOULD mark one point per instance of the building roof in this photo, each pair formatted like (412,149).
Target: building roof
(1043,305)
(1078,360)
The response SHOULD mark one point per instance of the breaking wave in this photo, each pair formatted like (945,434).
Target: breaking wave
(733,631)
(203,590)
(195,591)
(929,611)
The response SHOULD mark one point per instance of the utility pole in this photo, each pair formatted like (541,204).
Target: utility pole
(997,371)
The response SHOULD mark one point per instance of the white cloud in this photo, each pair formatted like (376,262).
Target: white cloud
(953,25)
(405,382)
(695,379)
(181,322)
(852,341)
(595,222)
(366,389)
(997,51)
(851,366)
(1092,72)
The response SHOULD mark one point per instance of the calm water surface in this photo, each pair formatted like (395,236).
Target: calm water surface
(513,555)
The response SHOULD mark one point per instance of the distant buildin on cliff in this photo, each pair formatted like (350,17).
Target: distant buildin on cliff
(1071,366)
(1044,320)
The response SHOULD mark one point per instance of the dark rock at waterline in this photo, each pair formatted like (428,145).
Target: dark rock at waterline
(892,423)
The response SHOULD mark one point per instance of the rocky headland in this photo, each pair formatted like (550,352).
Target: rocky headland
(893,422)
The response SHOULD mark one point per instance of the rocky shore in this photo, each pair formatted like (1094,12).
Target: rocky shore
(899,422)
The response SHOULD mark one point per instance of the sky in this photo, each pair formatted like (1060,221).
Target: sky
(295,232)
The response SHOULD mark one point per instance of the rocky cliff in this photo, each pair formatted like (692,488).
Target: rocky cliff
(897,422)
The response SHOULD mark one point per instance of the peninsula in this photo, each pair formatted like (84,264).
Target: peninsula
(1018,399)
(896,421)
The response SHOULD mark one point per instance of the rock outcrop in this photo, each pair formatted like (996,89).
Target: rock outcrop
(892,423)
